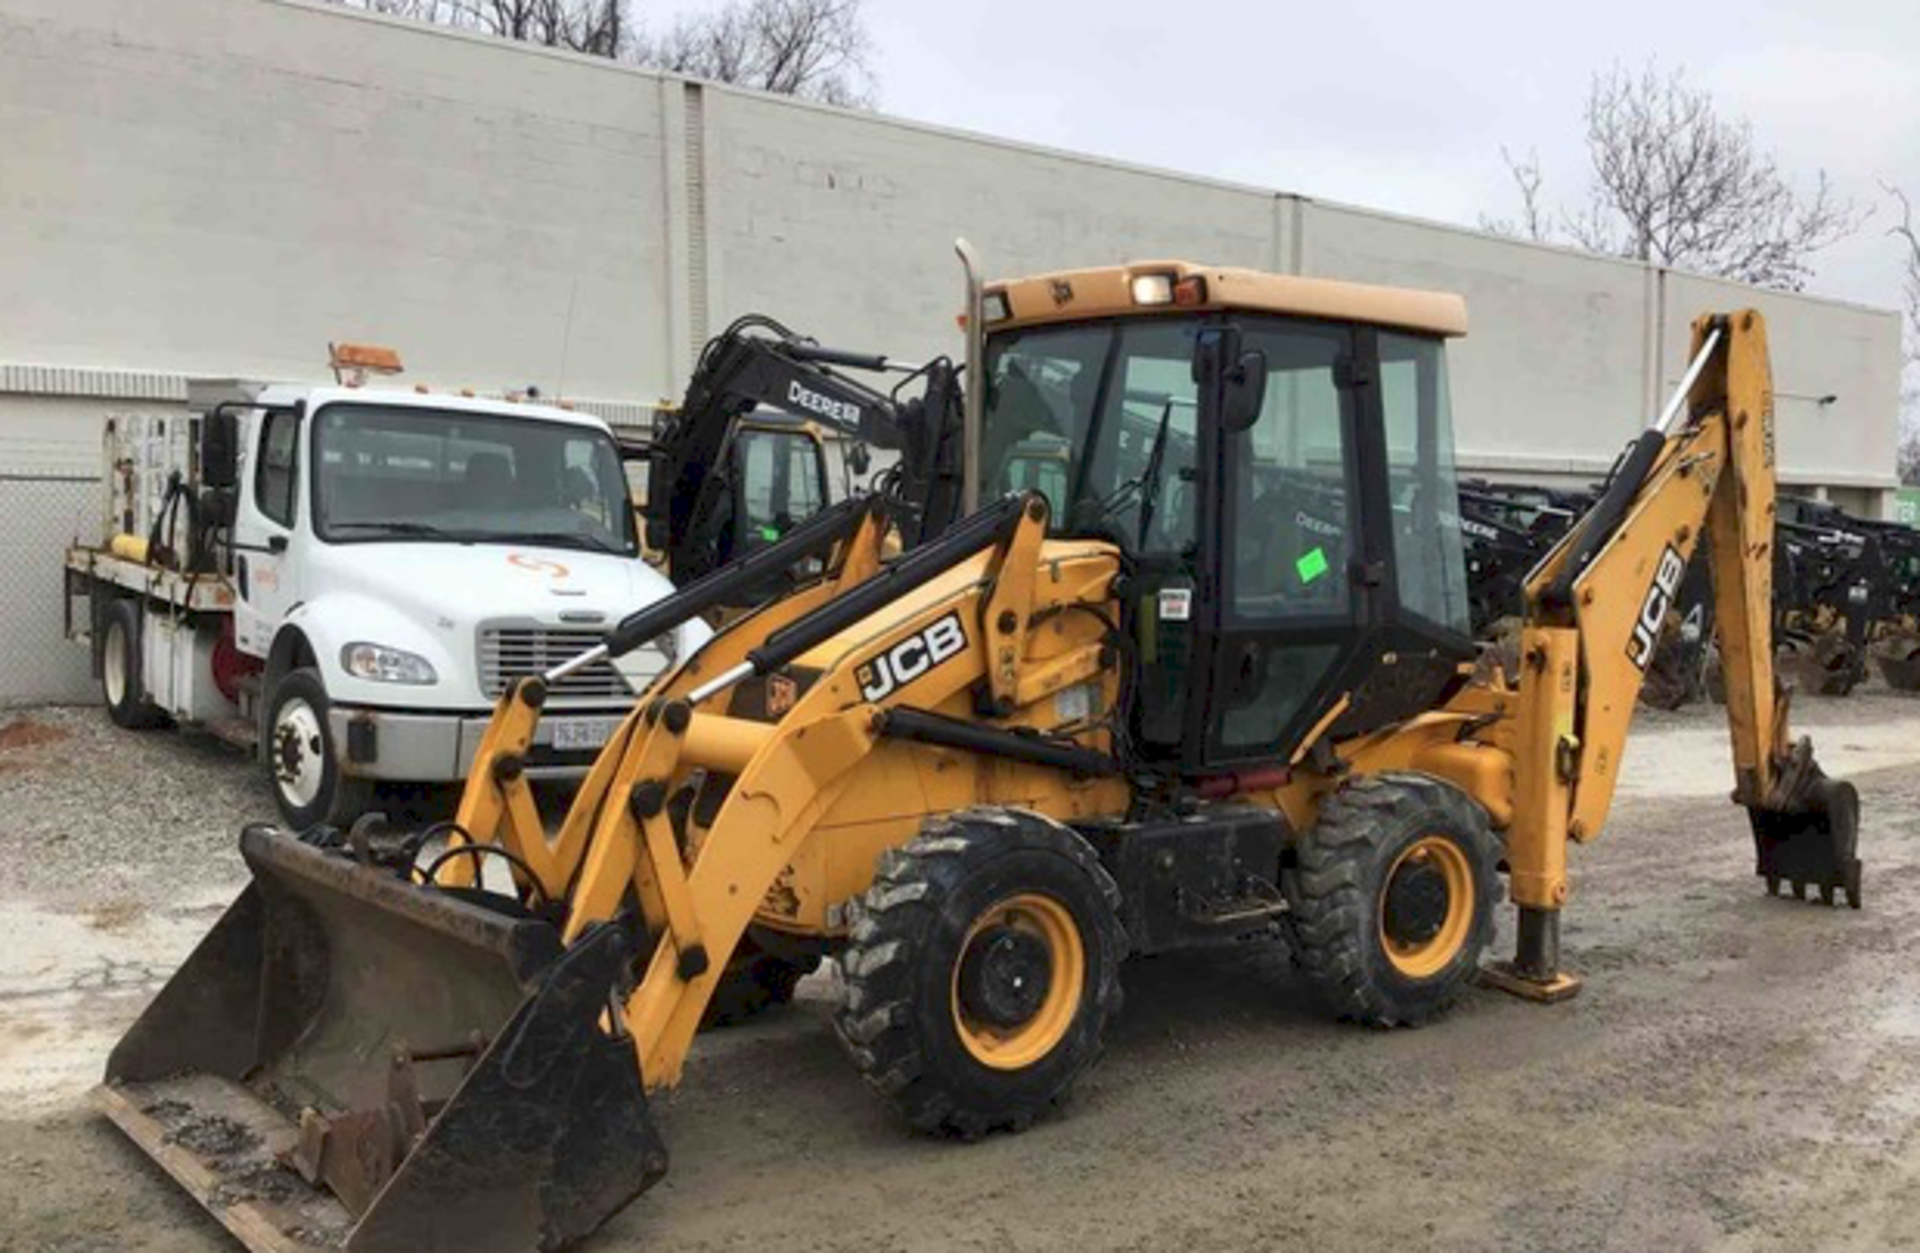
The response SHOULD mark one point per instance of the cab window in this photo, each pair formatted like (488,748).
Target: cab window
(276,482)
(1430,568)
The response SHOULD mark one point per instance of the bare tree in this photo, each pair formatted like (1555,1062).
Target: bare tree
(812,48)
(1675,183)
(1903,230)
(1534,221)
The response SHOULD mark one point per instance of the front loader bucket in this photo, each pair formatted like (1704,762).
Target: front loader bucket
(349,1060)
(1811,839)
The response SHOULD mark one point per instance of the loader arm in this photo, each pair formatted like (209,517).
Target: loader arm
(497,805)
(961,602)
(1594,609)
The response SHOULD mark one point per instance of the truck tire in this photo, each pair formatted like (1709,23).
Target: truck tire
(1393,898)
(123,681)
(982,970)
(308,785)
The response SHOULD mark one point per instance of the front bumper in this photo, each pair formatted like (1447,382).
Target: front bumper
(416,747)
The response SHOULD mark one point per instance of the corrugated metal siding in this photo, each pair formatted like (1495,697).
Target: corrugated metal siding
(65,380)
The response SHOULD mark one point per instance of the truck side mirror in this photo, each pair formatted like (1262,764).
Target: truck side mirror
(1245,391)
(219,449)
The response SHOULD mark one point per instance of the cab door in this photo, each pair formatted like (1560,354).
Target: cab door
(265,528)
(1333,537)
(1294,557)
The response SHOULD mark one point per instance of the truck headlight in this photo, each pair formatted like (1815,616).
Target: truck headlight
(380,664)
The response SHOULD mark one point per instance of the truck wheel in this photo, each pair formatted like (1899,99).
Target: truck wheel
(1393,898)
(307,783)
(982,970)
(122,673)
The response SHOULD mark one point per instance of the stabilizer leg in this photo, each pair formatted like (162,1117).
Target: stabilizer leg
(1534,973)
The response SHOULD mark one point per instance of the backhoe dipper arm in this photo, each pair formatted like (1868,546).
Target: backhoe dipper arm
(1595,607)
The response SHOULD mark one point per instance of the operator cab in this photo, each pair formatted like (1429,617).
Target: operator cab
(1274,458)
(778,465)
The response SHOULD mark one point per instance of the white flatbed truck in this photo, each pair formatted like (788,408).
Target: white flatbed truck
(343,579)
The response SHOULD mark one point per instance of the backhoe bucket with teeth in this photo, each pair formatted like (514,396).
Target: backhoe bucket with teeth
(1809,841)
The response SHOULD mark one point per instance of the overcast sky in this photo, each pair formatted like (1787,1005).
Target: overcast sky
(1404,106)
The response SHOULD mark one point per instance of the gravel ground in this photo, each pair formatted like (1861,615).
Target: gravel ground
(91,813)
(1739,1073)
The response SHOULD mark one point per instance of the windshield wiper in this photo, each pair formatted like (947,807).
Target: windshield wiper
(567,539)
(419,530)
(1150,476)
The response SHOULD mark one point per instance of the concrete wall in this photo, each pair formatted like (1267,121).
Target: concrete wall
(223,186)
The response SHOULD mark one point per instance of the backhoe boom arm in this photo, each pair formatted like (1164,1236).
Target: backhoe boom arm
(1595,609)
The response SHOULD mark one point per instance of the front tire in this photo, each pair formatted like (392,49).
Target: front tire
(982,971)
(1393,898)
(308,785)
(123,680)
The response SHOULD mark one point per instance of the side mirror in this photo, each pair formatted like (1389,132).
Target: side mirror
(1245,391)
(219,449)
(859,460)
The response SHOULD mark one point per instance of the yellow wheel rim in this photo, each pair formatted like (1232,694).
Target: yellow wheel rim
(1424,955)
(1003,949)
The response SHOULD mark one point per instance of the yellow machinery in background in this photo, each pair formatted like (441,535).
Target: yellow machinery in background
(1152,703)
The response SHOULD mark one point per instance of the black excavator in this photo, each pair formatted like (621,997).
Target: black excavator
(742,460)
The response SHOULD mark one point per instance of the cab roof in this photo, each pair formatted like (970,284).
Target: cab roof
(408,398)
(1108,291)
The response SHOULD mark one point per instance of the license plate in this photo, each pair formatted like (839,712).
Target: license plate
(574,734)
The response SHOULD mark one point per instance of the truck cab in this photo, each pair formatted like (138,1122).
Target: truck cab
(390,561)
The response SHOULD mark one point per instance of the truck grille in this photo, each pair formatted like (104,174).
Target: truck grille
(509,653)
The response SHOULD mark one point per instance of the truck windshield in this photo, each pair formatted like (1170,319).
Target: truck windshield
(383,473)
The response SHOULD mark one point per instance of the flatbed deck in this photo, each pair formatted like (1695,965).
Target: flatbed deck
(195,593)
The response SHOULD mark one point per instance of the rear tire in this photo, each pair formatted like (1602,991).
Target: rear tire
(308,786)
(1393,898)
(982,970)
(123,680)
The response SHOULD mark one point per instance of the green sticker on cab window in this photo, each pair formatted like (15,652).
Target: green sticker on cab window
(1312,565)
(769,532)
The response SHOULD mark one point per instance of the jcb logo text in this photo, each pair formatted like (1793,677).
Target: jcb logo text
(1653,609)
(911,658)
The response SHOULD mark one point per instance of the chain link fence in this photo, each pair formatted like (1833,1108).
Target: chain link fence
(40,515)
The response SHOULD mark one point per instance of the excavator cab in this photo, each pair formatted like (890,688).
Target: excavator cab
(1283,491)
(779,479)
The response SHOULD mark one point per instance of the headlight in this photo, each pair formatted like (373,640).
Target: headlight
(380,664)
(1153,289)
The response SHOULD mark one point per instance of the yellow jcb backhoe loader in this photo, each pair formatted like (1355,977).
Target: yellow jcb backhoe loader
(1145,709)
